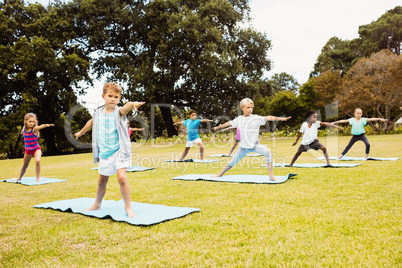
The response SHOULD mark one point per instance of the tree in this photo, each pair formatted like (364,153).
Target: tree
(40,66)
(335,55)
(183,53)
(327,86)
(283,103)
(375,85)
(284,81)
(384,33)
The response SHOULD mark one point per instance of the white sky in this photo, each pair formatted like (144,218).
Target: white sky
(298,29)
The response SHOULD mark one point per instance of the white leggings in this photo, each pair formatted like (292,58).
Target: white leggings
(258,148)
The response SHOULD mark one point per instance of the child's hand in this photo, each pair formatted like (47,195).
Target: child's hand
(214,128)
(49,125)
(384,120)
(294,143)
(287,118)
(138,104)
(77,135)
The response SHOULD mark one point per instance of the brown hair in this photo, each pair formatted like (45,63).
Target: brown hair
(192,112)
(111,86)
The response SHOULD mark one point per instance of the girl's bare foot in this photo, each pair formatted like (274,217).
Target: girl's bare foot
(93,207)
(38,179)
(16,180)
(273,178)
(130,213)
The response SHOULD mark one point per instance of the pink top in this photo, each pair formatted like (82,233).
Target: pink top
(238,134)
(31,141)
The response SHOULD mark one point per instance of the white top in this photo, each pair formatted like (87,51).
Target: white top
(309,133)
(249,129)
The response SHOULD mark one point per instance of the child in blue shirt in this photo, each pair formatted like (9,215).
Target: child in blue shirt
(192,126)
(358,122)
(111,144)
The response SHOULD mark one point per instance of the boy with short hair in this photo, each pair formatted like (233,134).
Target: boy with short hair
(249,125)
(111,144)
(192,124)
(309,141)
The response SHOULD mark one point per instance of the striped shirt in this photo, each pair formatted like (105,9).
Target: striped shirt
(107,135)
(31,141)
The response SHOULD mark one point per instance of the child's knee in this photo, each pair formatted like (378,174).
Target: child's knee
(37,162)
(323,149)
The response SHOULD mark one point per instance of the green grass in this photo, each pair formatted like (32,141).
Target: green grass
(344,217)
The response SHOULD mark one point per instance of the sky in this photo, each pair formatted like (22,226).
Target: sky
(298,30)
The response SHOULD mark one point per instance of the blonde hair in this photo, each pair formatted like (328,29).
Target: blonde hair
(29,116)
(245,101)
(111,86)
(358,109)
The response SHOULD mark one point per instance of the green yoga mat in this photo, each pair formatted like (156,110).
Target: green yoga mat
(147,214)
(351,158)
(244,178)
(30,181)
(315,165)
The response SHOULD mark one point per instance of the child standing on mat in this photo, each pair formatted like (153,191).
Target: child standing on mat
(192,124)
(32,148)
(309,141)
(237,140)
(111,144)
(358,122)
(249,125)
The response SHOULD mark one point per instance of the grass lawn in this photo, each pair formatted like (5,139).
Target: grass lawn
(340,217)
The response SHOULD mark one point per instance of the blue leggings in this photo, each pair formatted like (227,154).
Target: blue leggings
(355,138)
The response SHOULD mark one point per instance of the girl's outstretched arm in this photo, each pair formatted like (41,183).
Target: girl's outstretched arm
(35,129)
(341,121)
(274,118)
(377,119)
(330,125)
(87,127)
(206,120)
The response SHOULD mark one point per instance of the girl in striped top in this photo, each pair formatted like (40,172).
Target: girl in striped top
(32,148)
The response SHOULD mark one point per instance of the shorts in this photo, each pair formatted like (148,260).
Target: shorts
(316,145)
(31,152)
(191,143)
(109,166)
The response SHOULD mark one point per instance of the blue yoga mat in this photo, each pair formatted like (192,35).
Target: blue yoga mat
(30,181)
(350,158)
(235,178)
(134,168)
(315,165)
(225,155)
(147,214)
(194,160)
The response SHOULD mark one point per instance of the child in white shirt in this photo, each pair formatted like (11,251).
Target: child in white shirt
(249,125)
(309,141)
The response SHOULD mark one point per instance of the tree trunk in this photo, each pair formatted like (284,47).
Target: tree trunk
(48,135)
(167,118)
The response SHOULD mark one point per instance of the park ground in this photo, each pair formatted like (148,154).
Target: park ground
(340,217)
